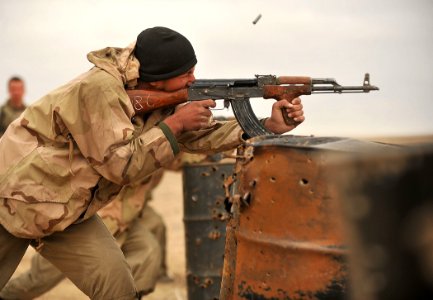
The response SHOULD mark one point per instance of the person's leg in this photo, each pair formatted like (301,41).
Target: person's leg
(154,222)
(12,250)
(40,278)
(88,255)
(143,254)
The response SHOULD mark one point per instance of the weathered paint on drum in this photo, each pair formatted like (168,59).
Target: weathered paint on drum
(205,224)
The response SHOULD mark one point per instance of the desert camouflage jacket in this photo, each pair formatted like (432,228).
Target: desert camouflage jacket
(71,152)
(127,206)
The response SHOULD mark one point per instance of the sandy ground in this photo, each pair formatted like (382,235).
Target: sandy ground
(168,202)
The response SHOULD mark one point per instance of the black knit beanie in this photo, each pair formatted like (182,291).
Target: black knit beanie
(163,53)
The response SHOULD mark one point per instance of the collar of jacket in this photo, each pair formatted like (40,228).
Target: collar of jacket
(119,62)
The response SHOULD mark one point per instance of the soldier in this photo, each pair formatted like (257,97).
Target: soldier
(70,153)
(14,106)
(139,231)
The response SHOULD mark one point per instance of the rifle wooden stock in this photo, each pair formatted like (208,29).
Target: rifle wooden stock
(145,101)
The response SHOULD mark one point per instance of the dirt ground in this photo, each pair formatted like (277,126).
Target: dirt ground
(168,202)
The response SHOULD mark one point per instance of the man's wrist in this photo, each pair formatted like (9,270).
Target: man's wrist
(263,121)
(175,126)
(266,122)
(170,137)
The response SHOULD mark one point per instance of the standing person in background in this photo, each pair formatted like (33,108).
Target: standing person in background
(14,106)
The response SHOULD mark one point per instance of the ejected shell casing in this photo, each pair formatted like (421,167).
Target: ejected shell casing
(257,19)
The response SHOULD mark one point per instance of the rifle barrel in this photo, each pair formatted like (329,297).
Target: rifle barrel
(343,89)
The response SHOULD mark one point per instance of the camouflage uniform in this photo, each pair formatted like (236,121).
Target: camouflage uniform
(139,231)
(68,155)
(8,113)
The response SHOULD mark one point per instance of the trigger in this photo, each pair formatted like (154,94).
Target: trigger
(226,103)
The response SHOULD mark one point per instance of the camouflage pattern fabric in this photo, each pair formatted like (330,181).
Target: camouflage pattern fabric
(71,153)
(86,253)
(140,246)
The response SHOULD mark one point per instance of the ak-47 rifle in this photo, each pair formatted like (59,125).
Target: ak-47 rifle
(237,93)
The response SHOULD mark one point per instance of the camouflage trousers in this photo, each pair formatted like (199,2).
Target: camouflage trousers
(86,253)
(142,245)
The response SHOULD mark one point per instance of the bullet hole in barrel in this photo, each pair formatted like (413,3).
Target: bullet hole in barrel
(207,282)
(265,286)
(205,174)
(214,168)
(227,204)
(303,181)
(273,179)
(247,199)
(214,235)
(223,175)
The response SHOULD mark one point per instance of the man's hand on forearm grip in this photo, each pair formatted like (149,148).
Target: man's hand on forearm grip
(293,109)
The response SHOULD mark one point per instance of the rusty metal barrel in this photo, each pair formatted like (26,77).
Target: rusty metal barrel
(286,238)
(205,224)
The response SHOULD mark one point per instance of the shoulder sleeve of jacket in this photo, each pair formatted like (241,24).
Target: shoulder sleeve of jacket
(221,136)
(98,117)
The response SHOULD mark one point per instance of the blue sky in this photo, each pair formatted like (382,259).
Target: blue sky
(46,42)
